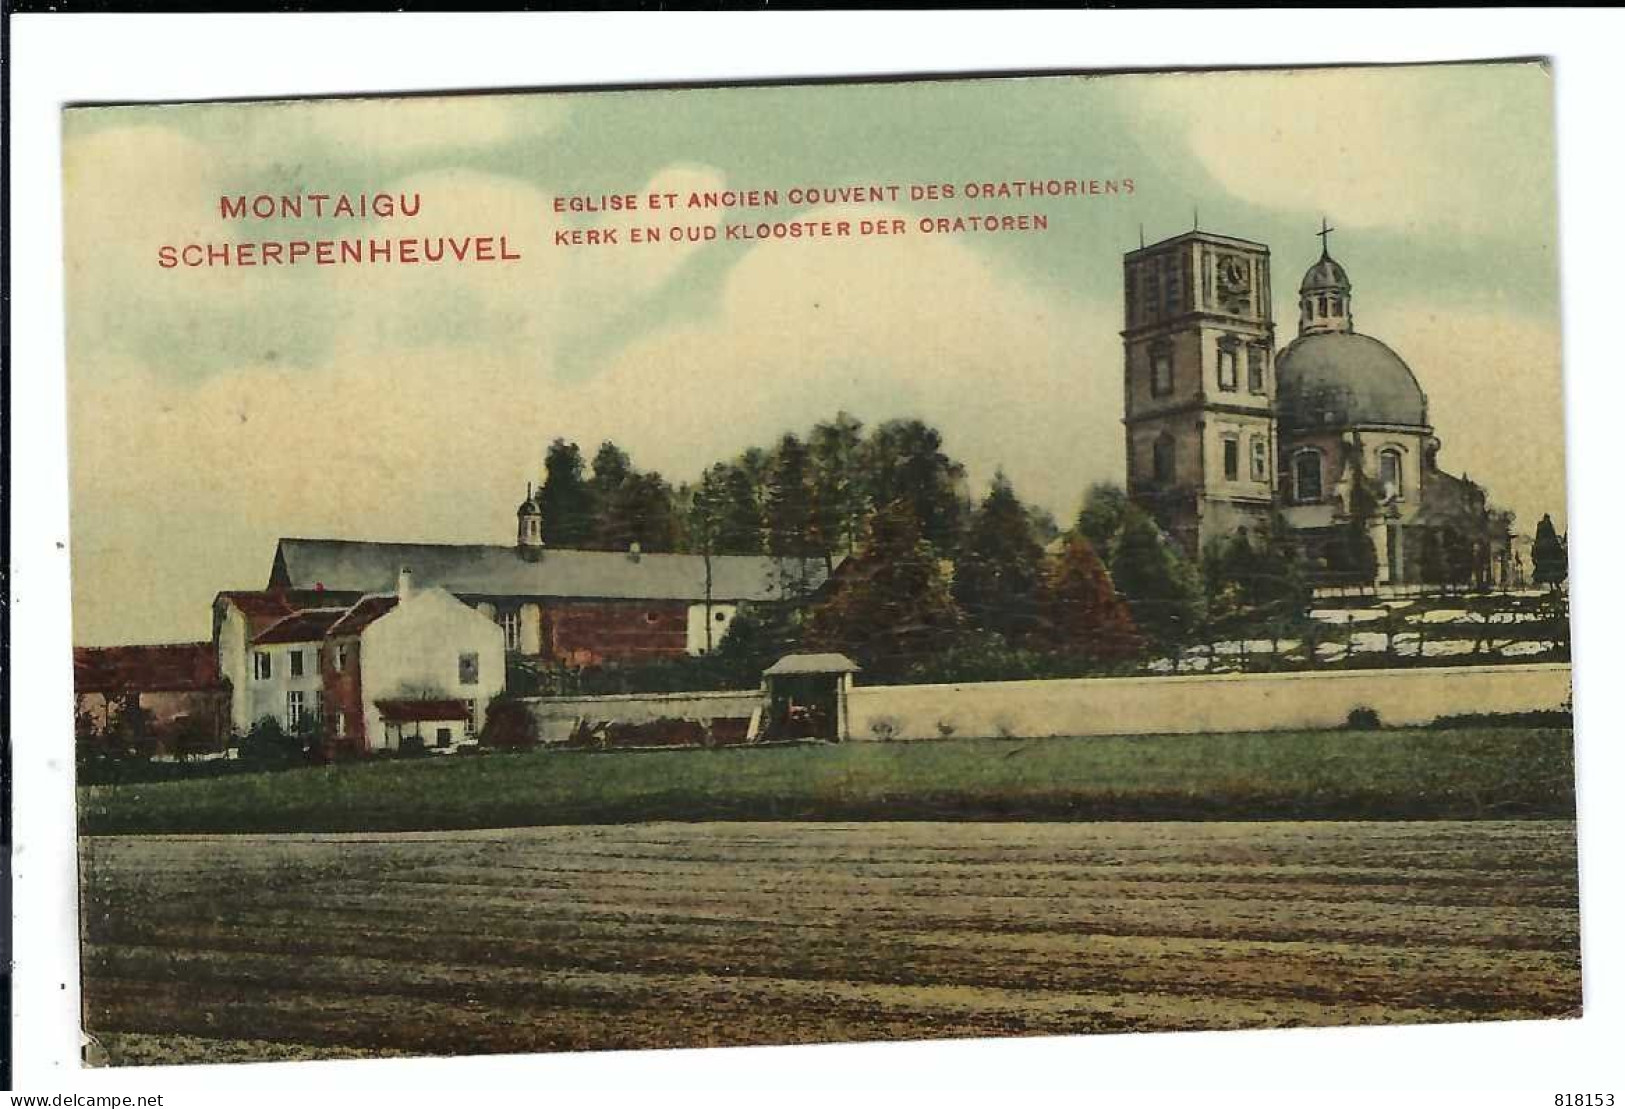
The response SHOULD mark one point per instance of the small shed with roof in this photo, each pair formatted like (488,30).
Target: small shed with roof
(805,696)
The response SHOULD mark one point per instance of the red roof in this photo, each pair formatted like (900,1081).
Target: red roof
(264,607)
(364,612)
(399,710)
(302,627)
(153,668)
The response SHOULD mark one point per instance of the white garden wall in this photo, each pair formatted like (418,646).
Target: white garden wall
(556,716)
(1200,703)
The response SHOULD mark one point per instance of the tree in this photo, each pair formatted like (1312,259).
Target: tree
(840,498)
(566,501)
(1000,565)
(905,464)
(269,746)
(891,603)
(1459,555)
(1101,518)
(133,730)
(1163,591)
(509,725)
(1352,553)
(788,515)
(757,637)
(1550,555)
(726,513)
(632,507)
(1081,611)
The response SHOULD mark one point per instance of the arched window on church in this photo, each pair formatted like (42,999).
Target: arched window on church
(1306,475)
(1162,460)
(1391,472)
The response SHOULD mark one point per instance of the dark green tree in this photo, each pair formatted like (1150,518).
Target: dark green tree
(641,510)
(1101,517)
(1000,565)
(839,492)
(566,501)
(1352,554)
(611,467)
(1550,555)
(788,511)
(891,603)
(1460,556)
(791,529)
(905,464)
(1163,590)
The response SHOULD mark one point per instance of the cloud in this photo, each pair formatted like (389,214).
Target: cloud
(914,326)
(1495,395)
(1461,149)
(181,489)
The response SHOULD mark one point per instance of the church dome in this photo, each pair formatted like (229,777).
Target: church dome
(1326,275)
(1337,379)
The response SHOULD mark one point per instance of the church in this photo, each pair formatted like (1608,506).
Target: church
(1332,432)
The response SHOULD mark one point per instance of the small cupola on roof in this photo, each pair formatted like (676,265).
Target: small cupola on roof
(530,522)
(1325,298)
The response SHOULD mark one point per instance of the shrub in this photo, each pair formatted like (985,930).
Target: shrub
(1363,718)
(268,746)
(509,726)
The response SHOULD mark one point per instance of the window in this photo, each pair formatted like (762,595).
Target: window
(338,724)
(510,629)
(321,707)
(1391,471)
(1323,306)
(262,666)
(339,656)
(1162,460)
(468,668)
(470,718)
(1306,475)
(296,709)
(296,664)
(1255,369)
(1232,458)
(1337,306)
(1260,458)
(1162,371)
(1227,367)
(442,737)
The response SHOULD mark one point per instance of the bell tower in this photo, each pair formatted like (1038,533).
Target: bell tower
(1325,298)
(1199,385)
(530,525)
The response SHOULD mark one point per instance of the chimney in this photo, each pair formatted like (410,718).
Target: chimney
(403,585)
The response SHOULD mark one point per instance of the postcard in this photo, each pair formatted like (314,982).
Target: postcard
(778,564)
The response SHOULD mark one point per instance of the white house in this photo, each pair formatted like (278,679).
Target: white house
(374,670)
(428,667)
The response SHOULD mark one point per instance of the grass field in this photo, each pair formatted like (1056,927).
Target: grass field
(230,948)
(1388,774)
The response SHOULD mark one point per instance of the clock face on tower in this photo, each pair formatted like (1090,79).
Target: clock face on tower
(1235,283)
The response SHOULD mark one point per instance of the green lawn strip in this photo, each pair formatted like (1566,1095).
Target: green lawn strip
(1386,774)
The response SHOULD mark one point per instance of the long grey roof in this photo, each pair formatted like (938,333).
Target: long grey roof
(493,571)
(828,663)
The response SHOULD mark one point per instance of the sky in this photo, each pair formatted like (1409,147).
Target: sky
(214,410)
